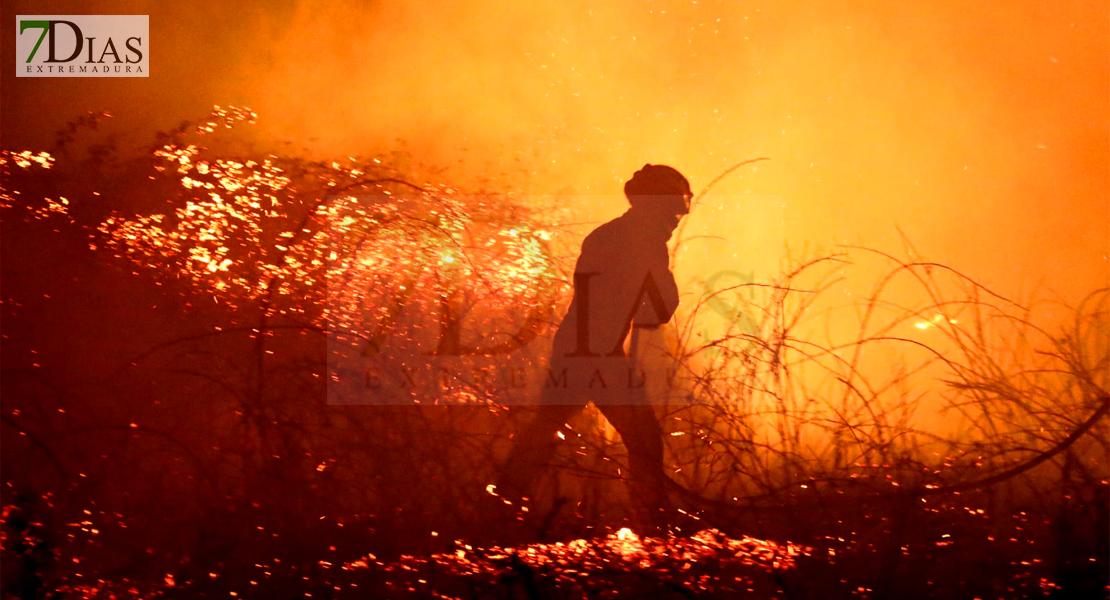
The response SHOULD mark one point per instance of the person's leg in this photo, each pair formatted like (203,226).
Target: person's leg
(533,449)
(643,438)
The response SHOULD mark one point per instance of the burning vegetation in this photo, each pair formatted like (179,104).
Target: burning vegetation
(192,338)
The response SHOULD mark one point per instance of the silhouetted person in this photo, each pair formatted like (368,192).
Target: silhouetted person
(622,280)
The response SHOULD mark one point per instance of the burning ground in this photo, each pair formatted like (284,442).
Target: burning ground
(169,365)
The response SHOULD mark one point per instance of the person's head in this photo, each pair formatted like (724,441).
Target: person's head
(659,189)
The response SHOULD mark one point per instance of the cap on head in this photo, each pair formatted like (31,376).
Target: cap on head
(659,187)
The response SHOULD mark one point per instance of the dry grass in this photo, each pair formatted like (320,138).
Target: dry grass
(917,455)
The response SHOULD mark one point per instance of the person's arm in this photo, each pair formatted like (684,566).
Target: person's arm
(659,295)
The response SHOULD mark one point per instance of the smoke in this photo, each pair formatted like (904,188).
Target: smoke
(981,131)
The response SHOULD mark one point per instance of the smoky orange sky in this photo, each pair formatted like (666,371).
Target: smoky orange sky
(982,130)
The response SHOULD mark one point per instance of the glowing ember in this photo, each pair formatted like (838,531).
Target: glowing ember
(573,565)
